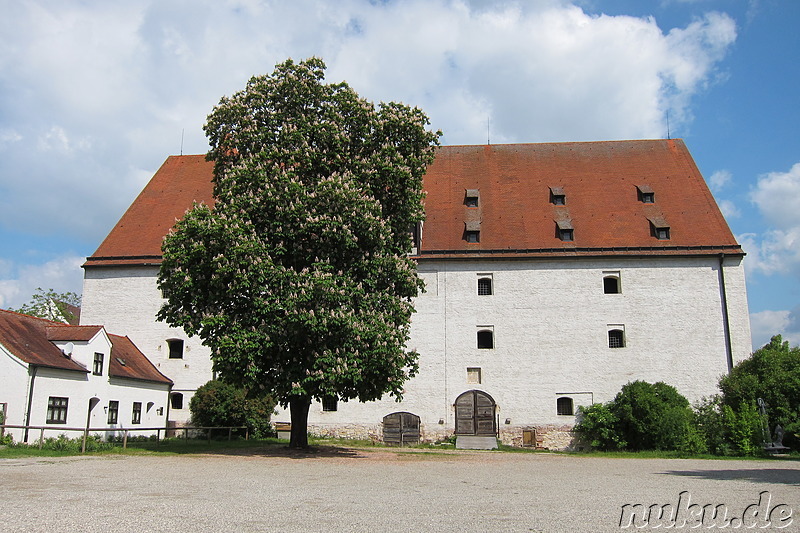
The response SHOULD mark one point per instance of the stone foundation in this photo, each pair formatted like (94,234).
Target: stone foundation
(544,437)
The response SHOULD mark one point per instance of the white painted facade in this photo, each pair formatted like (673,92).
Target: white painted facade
(550,320)
(27,389)
(127,299)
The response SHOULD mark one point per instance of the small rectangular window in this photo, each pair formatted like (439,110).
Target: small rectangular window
(98,364)
(113,411)
(472,197)
(565,406)
(57,410)
(474,376)
(136,416)
(659,227)
(616,338)
(175,348)
(564,230)
(662,234)
(485,286)
(473,236)
(176,400)
(330,403)
(612,283)
(485,339)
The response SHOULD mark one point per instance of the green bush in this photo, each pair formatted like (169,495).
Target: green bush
(219,404)
(643,416)
(773,374)
(597,426)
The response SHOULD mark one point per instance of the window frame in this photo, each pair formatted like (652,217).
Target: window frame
(136,413)
(330,404)
(617,278)
(616,337)
(485,283)
(474,375)
(176,401)
(113,412)
(172,345)
(57,408)
(484,334)
(560,401)
(97,368)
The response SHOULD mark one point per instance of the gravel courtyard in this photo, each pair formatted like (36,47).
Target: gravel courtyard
(381,490)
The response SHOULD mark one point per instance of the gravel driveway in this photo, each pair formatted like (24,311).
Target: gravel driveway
(356,490)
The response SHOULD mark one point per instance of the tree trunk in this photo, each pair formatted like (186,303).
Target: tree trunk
(298,408)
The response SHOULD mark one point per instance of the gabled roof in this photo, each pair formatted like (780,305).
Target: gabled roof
(31,340)
(27,339)
(600,182)
(128,362)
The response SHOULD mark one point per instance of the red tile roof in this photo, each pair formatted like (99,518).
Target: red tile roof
(26,338)
(128,362)
(30,339)
(601,181)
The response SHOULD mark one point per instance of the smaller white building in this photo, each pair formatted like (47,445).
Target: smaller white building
(71,377)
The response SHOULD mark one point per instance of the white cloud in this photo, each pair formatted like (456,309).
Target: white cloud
(729,209)
(765,324)
(719,179)
(777,250)
(107,88)
(18,282)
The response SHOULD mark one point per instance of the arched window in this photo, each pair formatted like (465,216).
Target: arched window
(176,400)
(611,285)
(484,286)
(564,406)
(485,339)
(616,338)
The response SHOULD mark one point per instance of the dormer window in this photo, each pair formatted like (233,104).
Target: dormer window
(557,196)
(472,232)
(659,228)
(472,198)
(646,194)
(565,231)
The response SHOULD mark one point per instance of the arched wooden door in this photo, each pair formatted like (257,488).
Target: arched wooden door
(401,428)
(475,414)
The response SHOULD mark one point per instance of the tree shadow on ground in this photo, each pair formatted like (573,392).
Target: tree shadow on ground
(786,476)
(312,452)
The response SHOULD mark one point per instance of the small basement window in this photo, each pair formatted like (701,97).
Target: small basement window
(564,406)
(175,348)
(485,339)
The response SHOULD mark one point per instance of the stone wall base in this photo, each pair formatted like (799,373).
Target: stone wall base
(542,437)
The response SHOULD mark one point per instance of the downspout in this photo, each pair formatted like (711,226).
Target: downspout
(725,320)
(33,369)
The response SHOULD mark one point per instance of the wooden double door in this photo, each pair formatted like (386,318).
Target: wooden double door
(475,414)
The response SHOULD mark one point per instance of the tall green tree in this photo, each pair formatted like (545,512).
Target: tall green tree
(298,278)
(771,373)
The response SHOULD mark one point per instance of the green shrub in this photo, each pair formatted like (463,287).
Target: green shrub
(654,417)
(219,404)
(772,373)
(597,426)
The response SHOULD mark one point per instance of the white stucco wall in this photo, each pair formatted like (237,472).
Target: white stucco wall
(550,320)
(78,388)
(126,300)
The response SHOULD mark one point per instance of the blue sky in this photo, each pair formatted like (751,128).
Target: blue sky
(94,95)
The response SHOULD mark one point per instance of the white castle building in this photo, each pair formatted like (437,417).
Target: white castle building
(555,273)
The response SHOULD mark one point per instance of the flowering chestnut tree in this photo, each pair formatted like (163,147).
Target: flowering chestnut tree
(298,277)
